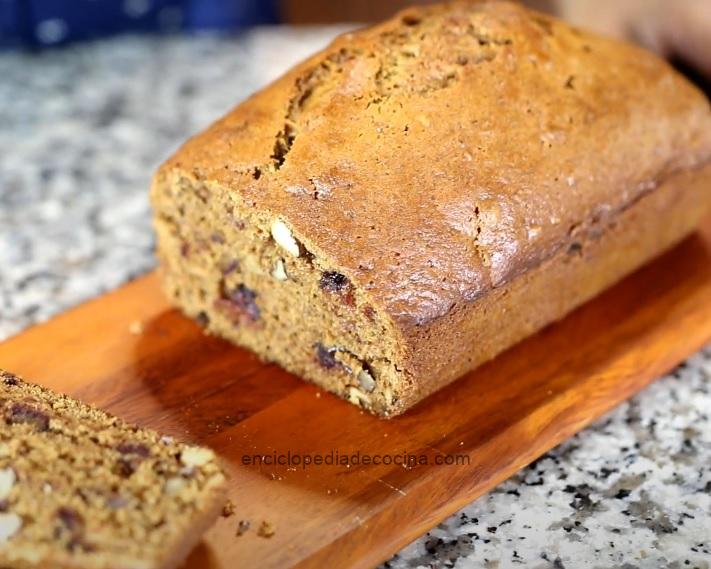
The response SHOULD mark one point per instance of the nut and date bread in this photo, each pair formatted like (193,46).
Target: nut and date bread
(80,489)
(424,193)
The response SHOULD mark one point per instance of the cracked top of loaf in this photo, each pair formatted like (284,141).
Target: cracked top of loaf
(442,153)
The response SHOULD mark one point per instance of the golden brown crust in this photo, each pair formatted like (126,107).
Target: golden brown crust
(597,256)
(542,127)
(439,156)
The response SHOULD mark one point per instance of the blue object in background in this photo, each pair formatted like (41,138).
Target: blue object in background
(44,23)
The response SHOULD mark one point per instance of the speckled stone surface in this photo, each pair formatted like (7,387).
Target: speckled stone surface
(81,130)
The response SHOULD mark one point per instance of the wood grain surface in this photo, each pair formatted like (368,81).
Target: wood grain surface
(165,374)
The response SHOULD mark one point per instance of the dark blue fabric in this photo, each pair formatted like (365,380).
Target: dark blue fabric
(40,23)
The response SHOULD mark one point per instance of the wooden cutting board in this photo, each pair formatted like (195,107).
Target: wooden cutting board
(171,377)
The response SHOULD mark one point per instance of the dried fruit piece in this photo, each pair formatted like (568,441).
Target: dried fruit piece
(369,312)
(240,303)
(326,356)
(71,530)
(229,267)
(24,413)
(70,519)
(138,449)
(331,281)
(125,467)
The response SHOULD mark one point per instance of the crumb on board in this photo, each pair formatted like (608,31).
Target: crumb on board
(228,509)
(136,328)
(242,527)
(266,529)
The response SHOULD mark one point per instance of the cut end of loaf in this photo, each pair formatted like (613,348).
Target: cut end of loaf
(246,276)
(80,488)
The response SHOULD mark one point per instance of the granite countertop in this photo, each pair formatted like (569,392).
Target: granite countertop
(81,130)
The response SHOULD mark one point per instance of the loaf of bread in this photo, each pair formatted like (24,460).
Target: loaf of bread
(80,489)
(422,194)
